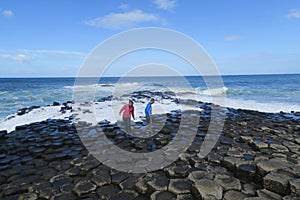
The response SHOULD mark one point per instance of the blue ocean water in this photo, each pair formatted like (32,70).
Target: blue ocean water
(282,90)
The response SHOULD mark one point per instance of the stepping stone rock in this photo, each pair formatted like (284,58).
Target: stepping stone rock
(258,145)
(67,188)
(228,182)
(246,139)
(246,172)
(234,195)
(265,129)
(68,196)
(119,177)
(159,183)
(89,165)
(249,189)
(142,183)
(178,171)
(108,191)
(77,162)
(163,195)
(129,183)
(60,180)
(10,191)
(266,166)
(279,148)
(48,173)
(28,196)
(266,194)
(73,171)
(230,162)
(101,178)
(180,186)
(276,182)
(290,197)
(207,189)
(126,195)
(39,186)
(295,186)
(198,175)
(84,187)
(185,197)
(46,193)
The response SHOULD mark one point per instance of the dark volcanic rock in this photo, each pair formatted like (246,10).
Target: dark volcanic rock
(207,189)
(55,103)
(256,157)
(180,186)
(108,191)
(22,111)
(3,133)
(277,182)
(234,195)
(84,187)
(102,178)
(228,182)
(160,182)
(295,186)
(266,194)
(126,194)
(267,166)
(162,195)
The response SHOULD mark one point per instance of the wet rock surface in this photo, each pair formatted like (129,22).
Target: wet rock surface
(256,157)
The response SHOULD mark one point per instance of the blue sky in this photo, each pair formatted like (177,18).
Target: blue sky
(52,38)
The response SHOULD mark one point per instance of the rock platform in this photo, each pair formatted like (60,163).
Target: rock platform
(256,157)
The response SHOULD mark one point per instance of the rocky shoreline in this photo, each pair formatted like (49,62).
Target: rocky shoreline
(256,157)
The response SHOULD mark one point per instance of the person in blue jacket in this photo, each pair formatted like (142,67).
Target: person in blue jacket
(148,111)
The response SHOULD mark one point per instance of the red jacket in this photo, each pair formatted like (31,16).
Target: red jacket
(127,111)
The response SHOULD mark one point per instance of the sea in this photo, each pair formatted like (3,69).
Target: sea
(267,93)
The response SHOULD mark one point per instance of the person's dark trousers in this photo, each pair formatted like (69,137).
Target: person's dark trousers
(149,119)
(127,124)
(149,123)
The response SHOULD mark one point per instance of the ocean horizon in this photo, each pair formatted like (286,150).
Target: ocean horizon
(266,74)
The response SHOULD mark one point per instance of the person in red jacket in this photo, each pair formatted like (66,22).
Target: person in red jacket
(128,111)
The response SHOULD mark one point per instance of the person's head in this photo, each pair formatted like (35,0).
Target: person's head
(151,100)
(130,103)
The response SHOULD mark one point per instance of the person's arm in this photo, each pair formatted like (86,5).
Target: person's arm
(132,113)
(147,110)
(121,110)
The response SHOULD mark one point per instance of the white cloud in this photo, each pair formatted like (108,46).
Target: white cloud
(123,20)
(124,6)
(233,38)
(8,13)
(165,4)
(294,13)
(19,58)
(27,55)
(53,52)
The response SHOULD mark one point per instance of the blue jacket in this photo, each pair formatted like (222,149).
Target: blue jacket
(148,110)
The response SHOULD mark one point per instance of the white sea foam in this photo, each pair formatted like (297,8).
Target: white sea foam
(81,86)
(133,84)
(36,115)
(214,91)
(108,110)
(271,107)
